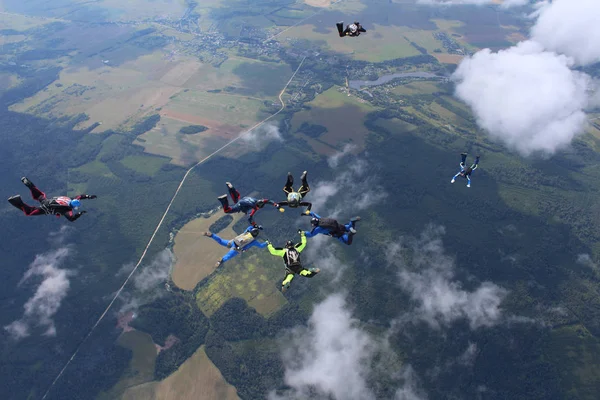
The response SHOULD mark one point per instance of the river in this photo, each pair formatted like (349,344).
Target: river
(386,78)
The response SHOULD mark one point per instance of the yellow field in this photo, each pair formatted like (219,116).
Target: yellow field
(255,277)
(196,379)
(380,43)
(342,115)
(197,254)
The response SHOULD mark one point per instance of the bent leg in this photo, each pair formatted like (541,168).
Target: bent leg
(28,210)
(340,28)
(304,189)
(308,273)
(235,195)
(346,238)
(222,242)
(230,254)
(289,183)
(286,282)
(463,158)
(37,194)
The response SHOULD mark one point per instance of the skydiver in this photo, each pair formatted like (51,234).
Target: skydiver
(239,244)
(466,172)
(247,205)
(291,259)
(294,199)
(330,226)
(353,30)
(60,205)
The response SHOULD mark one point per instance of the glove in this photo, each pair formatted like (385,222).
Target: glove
(301,232)
(276,205)
(307,212)
(259,227)
(267,241)
(93,196)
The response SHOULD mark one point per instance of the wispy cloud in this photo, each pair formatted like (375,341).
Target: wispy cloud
(332,357)
(354,189)
(263,134)
(334,159)
(43,305)
(428,275)
(147,281)
(586,259)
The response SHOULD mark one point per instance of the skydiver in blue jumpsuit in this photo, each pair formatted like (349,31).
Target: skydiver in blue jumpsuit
(239,244)
(466,172)
(247,205)
(330,227)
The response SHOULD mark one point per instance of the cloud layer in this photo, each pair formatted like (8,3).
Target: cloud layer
(428,277)
(41,307)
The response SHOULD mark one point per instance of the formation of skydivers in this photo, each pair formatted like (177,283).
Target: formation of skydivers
(68,207)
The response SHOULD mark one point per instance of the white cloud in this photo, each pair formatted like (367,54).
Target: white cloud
(585,259)
(146,282)
(155,273)
(528,98)
(428,277)
(354,189)
(263,135)
(334,159)
(332,357)
(468,357)
(48,296)
(570,27)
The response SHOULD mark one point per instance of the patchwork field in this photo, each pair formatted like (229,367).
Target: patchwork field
(342,115)
(254,276)
(196,379)
(380,43)
(197,254)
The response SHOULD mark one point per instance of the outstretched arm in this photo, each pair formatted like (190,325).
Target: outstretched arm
(275,251)
(260,245)
(307,205)
(85,197)
(283,203)
(302,244)
(314,215)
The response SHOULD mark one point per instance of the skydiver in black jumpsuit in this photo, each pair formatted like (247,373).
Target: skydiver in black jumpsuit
(60,205)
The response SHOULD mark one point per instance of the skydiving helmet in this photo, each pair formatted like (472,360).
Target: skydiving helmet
(289,244)
(353,27)
(314,222)
(75,203)
(254,232)
(294,199)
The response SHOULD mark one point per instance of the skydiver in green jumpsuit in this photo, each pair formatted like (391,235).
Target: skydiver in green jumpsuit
(291,259)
